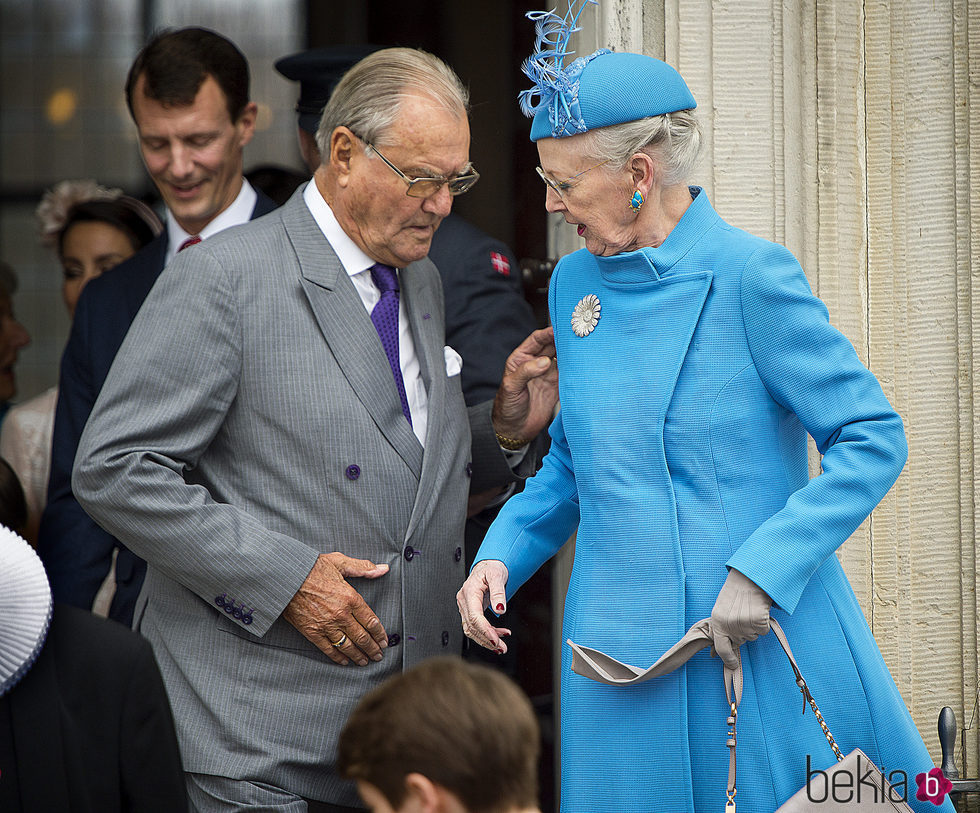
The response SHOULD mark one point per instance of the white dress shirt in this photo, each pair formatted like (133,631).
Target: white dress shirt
(239,212)
(357,264)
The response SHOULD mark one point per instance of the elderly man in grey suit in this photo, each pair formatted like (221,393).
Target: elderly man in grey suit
(283,438)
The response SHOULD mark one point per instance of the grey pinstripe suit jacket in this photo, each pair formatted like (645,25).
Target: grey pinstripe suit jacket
(250,422)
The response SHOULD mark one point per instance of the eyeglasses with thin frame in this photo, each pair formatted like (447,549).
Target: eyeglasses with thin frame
(427,187)
(563,186)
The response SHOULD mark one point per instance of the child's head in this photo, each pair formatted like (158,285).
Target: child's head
(444,726)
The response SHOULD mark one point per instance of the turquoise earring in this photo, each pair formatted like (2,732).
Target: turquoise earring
(636,201)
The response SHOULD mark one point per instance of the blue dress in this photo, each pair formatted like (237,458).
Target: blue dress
(680,449)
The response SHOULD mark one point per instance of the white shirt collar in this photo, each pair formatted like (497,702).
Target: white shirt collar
(348,252)
(239,212)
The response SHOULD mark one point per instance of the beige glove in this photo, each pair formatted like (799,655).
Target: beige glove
(740,614)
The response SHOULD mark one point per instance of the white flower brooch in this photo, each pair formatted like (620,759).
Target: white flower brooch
(586,315)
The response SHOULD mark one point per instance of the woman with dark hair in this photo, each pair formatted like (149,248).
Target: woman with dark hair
(93,229)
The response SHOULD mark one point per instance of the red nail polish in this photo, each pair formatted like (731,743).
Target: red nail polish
(500,608)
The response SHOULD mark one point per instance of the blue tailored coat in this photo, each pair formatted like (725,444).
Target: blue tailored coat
(681,450)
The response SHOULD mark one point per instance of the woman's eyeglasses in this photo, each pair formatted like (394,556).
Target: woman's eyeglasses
(563,186)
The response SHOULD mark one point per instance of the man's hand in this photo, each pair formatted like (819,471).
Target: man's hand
(486,584)
(525,402)
(332,615)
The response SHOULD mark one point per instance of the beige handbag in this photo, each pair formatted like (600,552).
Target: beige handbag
(863,789)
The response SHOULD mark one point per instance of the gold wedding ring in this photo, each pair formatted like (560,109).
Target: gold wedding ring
(341,642)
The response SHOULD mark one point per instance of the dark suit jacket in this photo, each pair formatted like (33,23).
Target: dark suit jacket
(486,313)
(487,316)
(89,727)
(76,552)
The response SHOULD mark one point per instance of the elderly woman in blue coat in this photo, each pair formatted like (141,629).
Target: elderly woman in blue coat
(694,362)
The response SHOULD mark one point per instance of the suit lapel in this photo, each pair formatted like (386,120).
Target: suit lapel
(424,307)
(348,331)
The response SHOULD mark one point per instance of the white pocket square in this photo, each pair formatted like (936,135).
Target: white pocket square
(454,361)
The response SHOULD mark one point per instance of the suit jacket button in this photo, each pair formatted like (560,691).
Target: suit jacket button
(457,554)
(394,639)
(445,638)
(409,553)
(469,469)
(353,471)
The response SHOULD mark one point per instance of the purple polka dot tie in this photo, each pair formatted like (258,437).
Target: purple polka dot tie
(385,319)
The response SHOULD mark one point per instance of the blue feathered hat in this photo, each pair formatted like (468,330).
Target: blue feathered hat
(598,90)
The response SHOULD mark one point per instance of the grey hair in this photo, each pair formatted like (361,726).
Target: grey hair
(674,138)
(368,98)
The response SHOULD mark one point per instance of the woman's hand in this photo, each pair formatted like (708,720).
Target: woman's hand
(740,614)
(486,585)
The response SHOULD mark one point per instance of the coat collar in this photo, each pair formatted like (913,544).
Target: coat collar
(697,219)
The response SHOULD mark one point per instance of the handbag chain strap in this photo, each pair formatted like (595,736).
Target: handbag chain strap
(733,690)
(819,716)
